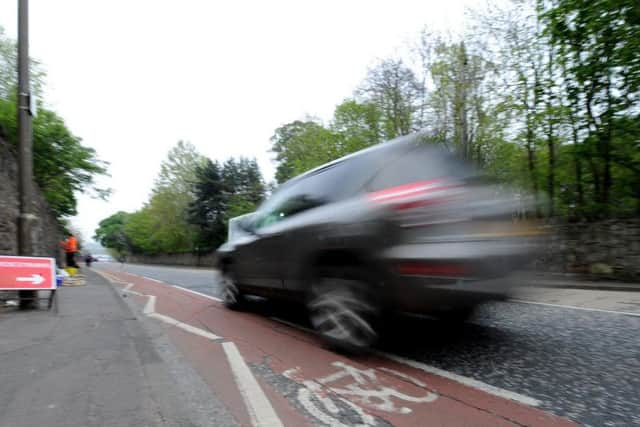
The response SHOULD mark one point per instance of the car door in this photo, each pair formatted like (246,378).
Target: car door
(257,262)
(274,234)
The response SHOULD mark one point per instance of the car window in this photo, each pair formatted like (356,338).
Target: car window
(270,211)
(322,187)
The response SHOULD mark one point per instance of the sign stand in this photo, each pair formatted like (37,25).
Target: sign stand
(50,299)
(29,273)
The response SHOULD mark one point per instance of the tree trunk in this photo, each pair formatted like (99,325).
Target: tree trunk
(606,151)
(551,177)
(532,167)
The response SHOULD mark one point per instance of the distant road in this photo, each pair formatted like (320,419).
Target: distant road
(202,280)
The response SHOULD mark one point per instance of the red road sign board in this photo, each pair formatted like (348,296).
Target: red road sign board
(27,273)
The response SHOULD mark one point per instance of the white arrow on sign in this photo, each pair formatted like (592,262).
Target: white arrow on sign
(36,279)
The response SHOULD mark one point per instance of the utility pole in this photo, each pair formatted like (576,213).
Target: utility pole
(27,218)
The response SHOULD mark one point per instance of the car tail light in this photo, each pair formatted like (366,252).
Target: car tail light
(415,194)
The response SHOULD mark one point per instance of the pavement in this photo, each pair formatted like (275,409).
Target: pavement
(154,346)
(92,361)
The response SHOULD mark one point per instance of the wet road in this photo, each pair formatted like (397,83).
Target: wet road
(582,365)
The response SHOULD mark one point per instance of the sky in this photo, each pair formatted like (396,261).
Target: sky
(132,77)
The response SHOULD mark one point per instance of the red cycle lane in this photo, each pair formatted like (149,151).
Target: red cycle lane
(307,384)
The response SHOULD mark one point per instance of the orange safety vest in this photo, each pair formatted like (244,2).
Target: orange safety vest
(71,244)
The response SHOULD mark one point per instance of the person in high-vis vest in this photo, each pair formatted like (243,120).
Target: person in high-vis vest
(70,246)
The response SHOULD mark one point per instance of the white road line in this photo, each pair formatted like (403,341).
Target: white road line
(198,293)
(150,310)
(260,410)
(152,279)
(470,382)
(150,306)
(573,307)
(185,326)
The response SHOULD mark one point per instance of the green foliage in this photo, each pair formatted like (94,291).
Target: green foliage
(300,146)
(62,166)
(178,170)
(190,206)
(222,192)
(111,233)
(238,206)
(358,125)
(162,225)
(9,66)
(597,44)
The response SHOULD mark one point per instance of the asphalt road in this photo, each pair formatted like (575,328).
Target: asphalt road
(197,279)
(581,364)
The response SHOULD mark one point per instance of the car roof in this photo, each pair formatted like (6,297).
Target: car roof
(400,143)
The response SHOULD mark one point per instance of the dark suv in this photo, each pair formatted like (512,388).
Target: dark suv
(402,226)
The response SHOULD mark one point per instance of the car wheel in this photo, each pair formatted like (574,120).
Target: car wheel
(231,296)
(342,313)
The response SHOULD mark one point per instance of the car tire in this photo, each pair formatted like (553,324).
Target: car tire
(341,310)
(232,297)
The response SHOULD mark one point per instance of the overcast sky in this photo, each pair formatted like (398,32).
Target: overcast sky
(132,77)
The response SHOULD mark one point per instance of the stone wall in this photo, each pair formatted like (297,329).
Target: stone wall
(47,232)
(183,259)
(609,249)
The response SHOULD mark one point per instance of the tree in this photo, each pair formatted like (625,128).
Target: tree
(395,90)
(111,233)
(300,146)
(458,99)
(222,192)
(163,224)
(597,45)
(358,125)
(62,165)
(9,67)
(178,170)
(528,90)
(207,210)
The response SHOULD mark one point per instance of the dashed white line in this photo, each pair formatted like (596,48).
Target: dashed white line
(152,279)
(150,310)
(260,410)
(198,293)
(573,307)
(470,382)
(150,306)
(185,326)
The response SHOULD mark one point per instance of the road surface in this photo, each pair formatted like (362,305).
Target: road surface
(552,350)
